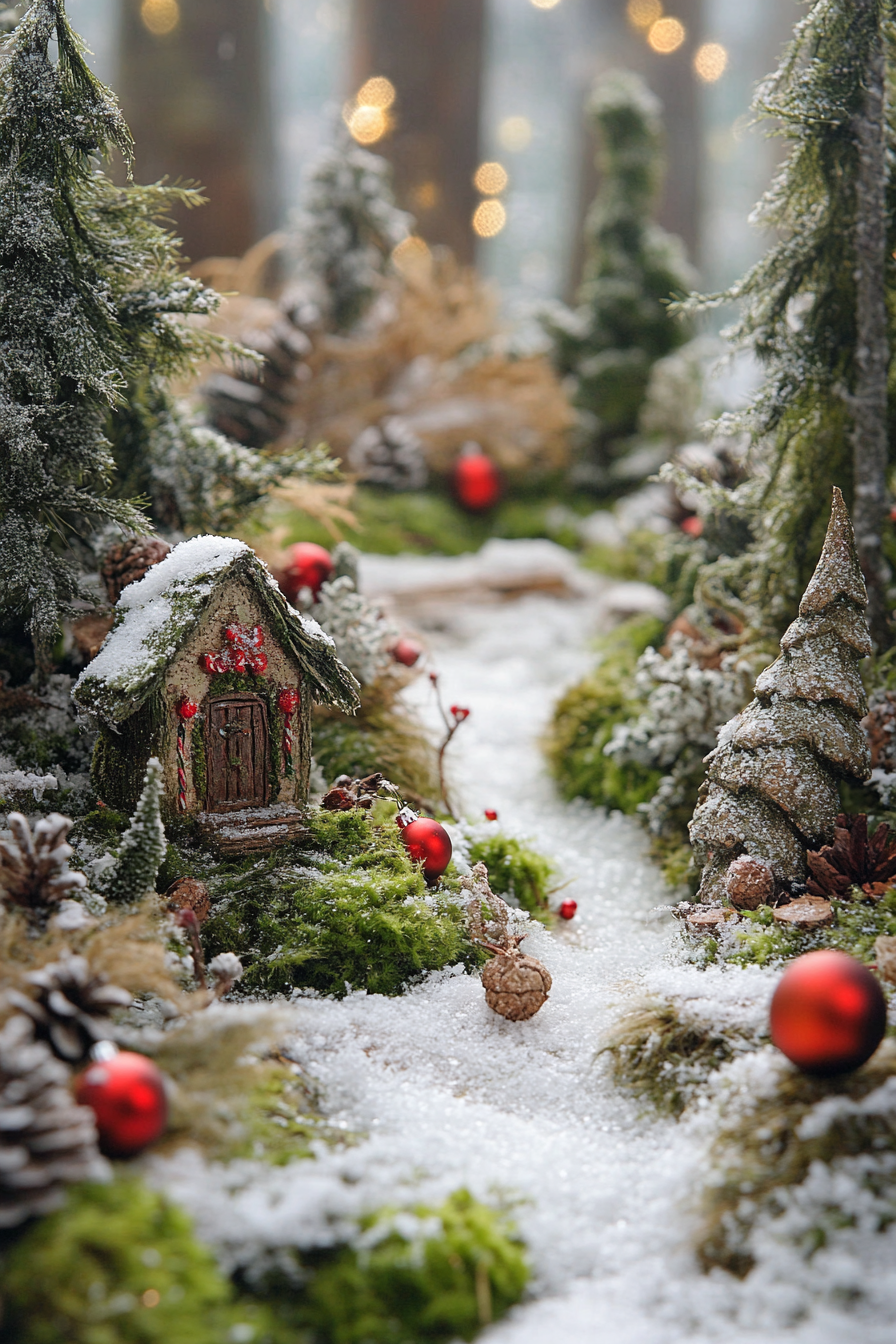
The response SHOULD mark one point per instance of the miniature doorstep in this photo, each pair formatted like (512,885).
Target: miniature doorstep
(210,669)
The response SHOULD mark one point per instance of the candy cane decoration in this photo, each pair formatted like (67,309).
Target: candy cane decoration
(287,702)
(185,710)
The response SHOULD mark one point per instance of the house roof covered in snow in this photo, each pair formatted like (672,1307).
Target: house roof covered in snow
(155,616)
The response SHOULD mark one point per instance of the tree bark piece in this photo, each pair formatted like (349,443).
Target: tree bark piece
(808,912)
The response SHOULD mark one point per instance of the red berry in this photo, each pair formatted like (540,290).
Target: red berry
(459,713)
(693,526)
(428,843)
(406,651)
(288,700)
(127,1096)
(491,814)
(309,566)
(828,1014)
(568,909)
(187,708)
(477,481)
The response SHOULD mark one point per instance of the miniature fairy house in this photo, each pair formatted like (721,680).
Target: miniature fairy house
(210,669)
(772,785)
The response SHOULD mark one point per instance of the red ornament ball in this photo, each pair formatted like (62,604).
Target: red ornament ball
(428,843)
(477,481)
(828,1014)
(127,1096)
(187,708)
(406,651)
(491,814)
(692,526)
(309,566)
(568,909)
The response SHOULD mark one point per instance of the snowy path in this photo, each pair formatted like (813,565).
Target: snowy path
(448,1094)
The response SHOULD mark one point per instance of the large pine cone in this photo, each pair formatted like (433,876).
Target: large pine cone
(390,454)
(34,871)
(253,405)
(516,986)
(71,1008)
(855,859)
(128,562)
(46,1140)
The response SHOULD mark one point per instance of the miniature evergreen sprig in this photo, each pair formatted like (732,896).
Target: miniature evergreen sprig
(143,844)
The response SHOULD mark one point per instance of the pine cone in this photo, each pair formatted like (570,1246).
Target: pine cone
(188,893)
(46,1140)
(70,1010)
(128,562)
(34,871)
(389,454)
(749,883)
(253,405)
(348,793)
(855,859)
(516,986)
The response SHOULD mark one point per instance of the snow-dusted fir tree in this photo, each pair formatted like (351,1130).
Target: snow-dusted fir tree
(621,325)
(772,784)
(143,844)
(347,227)
(817,310)
(90,292)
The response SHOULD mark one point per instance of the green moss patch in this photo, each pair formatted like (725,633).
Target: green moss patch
(357,913)
(759,939)
(119,1265)
(584,720)
(386,736)
(461,1268)
(664,1057)
(516,871)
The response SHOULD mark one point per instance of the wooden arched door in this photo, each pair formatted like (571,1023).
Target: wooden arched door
(237,753)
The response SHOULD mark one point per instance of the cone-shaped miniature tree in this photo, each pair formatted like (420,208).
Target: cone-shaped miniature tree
(621,327)
(90,282)
(771,789)
(143,845)
(815,312)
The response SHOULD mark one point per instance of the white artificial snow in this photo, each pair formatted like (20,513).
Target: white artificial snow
(20,781)
(437,1092)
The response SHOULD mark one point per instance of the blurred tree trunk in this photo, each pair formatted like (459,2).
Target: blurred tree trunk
(197,99)
(432,51)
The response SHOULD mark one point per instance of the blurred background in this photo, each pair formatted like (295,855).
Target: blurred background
(240,95)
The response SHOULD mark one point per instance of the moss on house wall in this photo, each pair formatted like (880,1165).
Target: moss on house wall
(119,759)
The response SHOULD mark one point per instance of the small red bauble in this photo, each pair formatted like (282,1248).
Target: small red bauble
(491,814)
(406,651)
(287,700)
(568,909)
(693,526)
(127,1096)
(477,481)
(187,708)
(428,843)
(828,1014)
(309,566)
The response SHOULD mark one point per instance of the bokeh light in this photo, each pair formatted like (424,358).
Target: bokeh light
(367,124)
(710,61)
(412,257)
(161,17)
(490,178)
(489,218)
(545,4)
(376,92)
(515,134)
(643,13)
(666,35)
(425,196)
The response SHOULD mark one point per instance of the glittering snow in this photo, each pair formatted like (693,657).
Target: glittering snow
(441,1093)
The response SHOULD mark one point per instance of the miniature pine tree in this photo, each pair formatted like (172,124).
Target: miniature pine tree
(621,327)
(347,227)
(771,789)
(143,845)
(815,310)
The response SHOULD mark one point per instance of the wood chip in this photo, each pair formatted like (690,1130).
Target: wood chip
(709,919)
(807,912)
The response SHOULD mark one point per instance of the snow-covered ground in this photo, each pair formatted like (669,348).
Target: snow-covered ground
(443,1093)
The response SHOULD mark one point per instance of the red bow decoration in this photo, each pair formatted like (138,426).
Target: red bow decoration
(242,651)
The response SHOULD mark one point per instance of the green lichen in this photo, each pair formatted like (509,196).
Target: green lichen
(759,940)
(584,720)
(462,1270)
(119,758)
(767,1151)
(516,871)
(118,1264)
(357,913)
(198,767)
(664,1056)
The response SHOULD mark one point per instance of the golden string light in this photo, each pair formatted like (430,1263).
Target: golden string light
(515,134)
(367,124)
(489,218)
(666,35)
(710,62)
(545,4)
(161,17)
(643,13)
(412,257)
(490,178)
(376,92)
